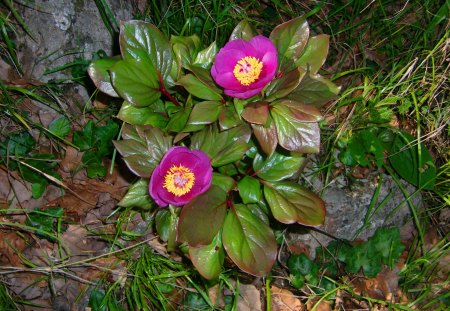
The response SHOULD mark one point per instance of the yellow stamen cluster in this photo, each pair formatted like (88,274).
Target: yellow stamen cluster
(247,70)
(179,180)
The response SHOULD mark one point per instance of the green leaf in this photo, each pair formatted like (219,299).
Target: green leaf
(45,221)
(137,196)
(208,259)
(96,302)
(243,30)
(249,190)
(361,256)
(143,41)
(277,166)
(290,203)
(18,144)
(205,112)
(266,137)
(201,219)
(387,243)
(222,147)
(38,188)
(363,148)
(178,120)
(226,183)
(314,90)
(301,264)
(256,113)
(85,138)
(204,76)
(281,87)
(249,242)
(315,53)
(296,127)
(205,57)
(228,118)
(412,163)
(290,39)
(60,127)
(194,86)
(98,70)
(166,226)
(95,170)
(136,81)
(134,115)
(185,48)
(142,148)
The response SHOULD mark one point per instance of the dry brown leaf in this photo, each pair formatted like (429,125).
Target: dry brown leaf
(10,245)
(72,160)
(284,300)
(249,298)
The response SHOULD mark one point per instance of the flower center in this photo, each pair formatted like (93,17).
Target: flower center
(247,70)
(179,180)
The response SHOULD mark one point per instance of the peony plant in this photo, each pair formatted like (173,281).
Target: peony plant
(218,137)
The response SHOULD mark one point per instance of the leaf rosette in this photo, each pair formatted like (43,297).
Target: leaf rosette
(219,135)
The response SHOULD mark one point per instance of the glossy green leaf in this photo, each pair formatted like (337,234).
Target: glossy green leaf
(277,166)
(98,70)
(60,127)
(256,113)
(143,41)
(226,183)
(208,259)
(179,119)
(201,219)
(228,118)
(185,48)
(166,226)
(266,137)
(141,115)
(315,53)
(249,190)
(314,90)
(296,127)
(243,30)
(142,148)
(222,147)
(282,86)
(204,76)
(414,164)
(194,86)
(249,242)
(206,56)
(137,196)
(290,203)
(290,39)
(205,112)
(136,82)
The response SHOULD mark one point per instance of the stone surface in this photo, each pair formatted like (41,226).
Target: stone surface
(353,212)
(64,31)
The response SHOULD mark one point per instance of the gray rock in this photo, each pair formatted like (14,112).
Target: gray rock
(353,212)
(65,30)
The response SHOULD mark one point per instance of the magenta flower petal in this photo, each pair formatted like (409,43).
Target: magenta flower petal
(244,68)
(182,175)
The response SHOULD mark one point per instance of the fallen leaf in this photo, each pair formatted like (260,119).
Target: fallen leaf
(284,300)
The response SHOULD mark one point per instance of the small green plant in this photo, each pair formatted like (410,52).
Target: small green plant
(95,141)
(218,135)
(17,152)
(383,248)
(409,158)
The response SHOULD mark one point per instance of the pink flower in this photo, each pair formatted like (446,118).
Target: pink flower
(181,175)
(243,68)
